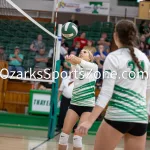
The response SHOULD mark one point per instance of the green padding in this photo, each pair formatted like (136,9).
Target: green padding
(40,91)
(21,119)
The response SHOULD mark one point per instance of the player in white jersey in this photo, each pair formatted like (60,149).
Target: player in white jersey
(83,98)
(127,89)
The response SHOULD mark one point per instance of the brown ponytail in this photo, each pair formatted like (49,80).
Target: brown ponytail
(128,36)
(135,59)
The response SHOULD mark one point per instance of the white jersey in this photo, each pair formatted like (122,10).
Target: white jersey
(125,86)
(84,84)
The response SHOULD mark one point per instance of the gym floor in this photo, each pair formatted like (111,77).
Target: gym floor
(21,139)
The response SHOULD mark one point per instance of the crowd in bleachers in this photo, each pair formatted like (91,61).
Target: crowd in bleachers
(19,46)
(26,46)
(144,30)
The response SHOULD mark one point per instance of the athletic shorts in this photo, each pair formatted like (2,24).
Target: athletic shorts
(80,109)
(135,129)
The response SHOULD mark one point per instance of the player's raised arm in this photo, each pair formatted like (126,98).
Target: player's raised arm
(85,60)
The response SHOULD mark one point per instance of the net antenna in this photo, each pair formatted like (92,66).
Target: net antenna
(57,39)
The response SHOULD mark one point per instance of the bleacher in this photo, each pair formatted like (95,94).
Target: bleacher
(94,31)
(22,33)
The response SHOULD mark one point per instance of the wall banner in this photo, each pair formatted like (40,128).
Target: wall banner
(86,7)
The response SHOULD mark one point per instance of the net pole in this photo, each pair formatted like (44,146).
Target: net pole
(108,17)
(56,15)
(53,13)
(55,29)
(53,106)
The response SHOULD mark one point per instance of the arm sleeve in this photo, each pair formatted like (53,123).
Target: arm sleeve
(88,65)
(148,92)
(110,74)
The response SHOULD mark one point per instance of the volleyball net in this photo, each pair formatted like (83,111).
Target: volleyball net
(34,36)
(31,45)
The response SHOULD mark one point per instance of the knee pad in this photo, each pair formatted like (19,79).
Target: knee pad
(77,141)
(63,140)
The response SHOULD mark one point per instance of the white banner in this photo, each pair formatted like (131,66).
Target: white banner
(86,7)
(41,103)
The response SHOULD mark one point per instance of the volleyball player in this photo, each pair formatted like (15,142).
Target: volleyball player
(83,98)
(126,93)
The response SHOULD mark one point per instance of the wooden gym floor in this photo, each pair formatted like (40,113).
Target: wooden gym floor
(20,139)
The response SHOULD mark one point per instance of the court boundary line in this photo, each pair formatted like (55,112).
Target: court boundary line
(45,141)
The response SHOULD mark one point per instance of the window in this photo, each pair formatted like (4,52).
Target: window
(128,2)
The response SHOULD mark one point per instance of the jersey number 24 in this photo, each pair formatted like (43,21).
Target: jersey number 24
(133,67)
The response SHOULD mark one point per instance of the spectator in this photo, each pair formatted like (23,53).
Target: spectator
(100,67)
(62,41)
(50,62)
(50,54)
(143,39)
(64,49)
(37,44)
(45,86)
(101,53)
(142,47)
(90,46)
(99,58)
(41,60)
(65,90)
(82,39)
(15,62)
(142,27)
(147,34)
(73,19)
(76,48)
(145,48)
(105,40)
(148,51)
(147,29)
(106,47)
(2,54)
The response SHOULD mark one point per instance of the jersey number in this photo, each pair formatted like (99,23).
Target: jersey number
(132,65)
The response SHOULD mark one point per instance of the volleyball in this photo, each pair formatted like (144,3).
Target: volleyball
(69,30)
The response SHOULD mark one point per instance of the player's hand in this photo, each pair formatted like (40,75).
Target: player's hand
(83,128)
(70,58)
